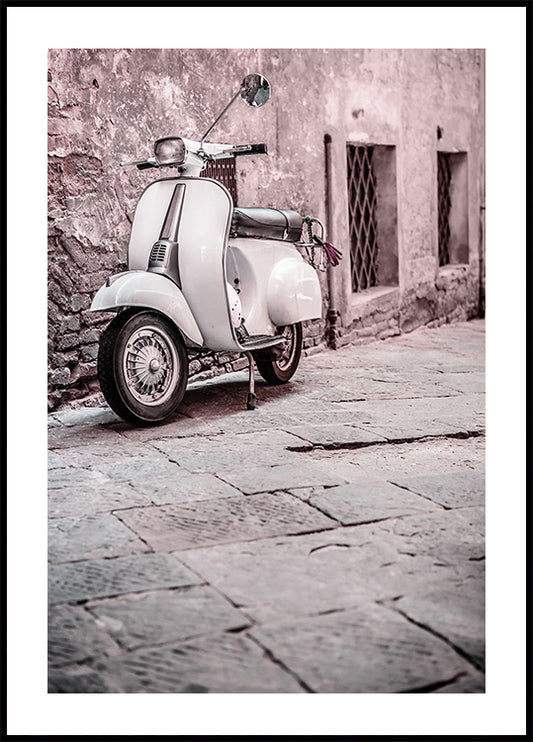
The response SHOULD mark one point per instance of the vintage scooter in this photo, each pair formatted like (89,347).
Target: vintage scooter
(205,275)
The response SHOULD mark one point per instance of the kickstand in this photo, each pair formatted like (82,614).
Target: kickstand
(250,404)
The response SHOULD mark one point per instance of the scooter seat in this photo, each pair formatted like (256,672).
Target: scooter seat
(270,224)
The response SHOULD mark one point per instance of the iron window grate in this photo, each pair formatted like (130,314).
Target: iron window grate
(224,171)
(444,179)
(362,217)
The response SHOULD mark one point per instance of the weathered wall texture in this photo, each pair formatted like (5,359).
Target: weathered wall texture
(106,106)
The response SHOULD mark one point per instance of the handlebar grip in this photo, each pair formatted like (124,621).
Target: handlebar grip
(251,149)
(144,165)
(258,149)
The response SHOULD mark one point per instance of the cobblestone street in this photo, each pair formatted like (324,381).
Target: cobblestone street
(330,541)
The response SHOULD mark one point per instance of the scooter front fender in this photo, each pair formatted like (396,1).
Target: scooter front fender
(152,291)
(293,293)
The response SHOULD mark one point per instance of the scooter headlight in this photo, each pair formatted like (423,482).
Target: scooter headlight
(170,151)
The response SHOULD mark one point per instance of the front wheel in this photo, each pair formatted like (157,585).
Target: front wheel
(142,366)
(278,369)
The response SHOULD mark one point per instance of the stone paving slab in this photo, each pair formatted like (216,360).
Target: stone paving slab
(61,436)
(458,367)
(458,615)
(468,683)
(223,663)
(173,527)
(472,383)
(186,487)
(367,384)
(90,537)
(76,503)
(86,417)
(163,482)
(74,636)
(82,681)
(402,357)
(166,616)
(94,454)
(452,489)
(223,410)
(278,578)
(410,429)
(367,650)
(55,461)
(335,434)
(343,567)
(178,426)
(450,536)
(79,492)
(339,412)
(220,454)
(100,578)
(283,477)
(270,415)
(75,479)
(267,418)
(364,502)
(137,469)
(465,410)
(423,379)
(402,460)
(400,420)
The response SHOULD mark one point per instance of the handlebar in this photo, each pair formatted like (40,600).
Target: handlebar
(237,151)
(146,164)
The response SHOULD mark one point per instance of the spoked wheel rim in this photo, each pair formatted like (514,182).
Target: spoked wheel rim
(150,365)
(288,349)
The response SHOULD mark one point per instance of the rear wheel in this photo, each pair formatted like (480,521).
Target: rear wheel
(142,366)
(279,368)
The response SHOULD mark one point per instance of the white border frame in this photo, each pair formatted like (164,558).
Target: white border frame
(30,32)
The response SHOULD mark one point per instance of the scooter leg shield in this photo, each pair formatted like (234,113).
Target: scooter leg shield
(150,291)
(293,293)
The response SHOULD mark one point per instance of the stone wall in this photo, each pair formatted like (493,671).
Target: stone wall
(106,106)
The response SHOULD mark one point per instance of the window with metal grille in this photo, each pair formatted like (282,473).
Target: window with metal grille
(444,203)
(373,215)
(224,171)
(452,208)
(362,213)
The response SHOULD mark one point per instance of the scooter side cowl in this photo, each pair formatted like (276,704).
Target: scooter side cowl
(293,293)
(150,291)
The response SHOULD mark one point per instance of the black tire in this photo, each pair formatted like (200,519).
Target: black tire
(142,366)
(280,370)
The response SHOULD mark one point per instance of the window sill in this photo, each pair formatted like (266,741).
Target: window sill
(365,302)
(453,268)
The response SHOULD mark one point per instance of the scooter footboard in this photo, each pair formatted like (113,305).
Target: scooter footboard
(293,293)
(151,291)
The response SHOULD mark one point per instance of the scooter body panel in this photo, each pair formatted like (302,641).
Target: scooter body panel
(202,233)
(151,291)
(293,293)
(150,213)
(277,287)
(203,237)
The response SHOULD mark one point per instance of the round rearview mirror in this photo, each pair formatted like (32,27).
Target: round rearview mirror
(255,90)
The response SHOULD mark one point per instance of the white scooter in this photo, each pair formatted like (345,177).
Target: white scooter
(203,275)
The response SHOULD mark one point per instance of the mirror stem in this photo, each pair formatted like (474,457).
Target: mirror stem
(220,115)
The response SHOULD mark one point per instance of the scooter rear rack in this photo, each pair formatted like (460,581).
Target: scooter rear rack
(311,252)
